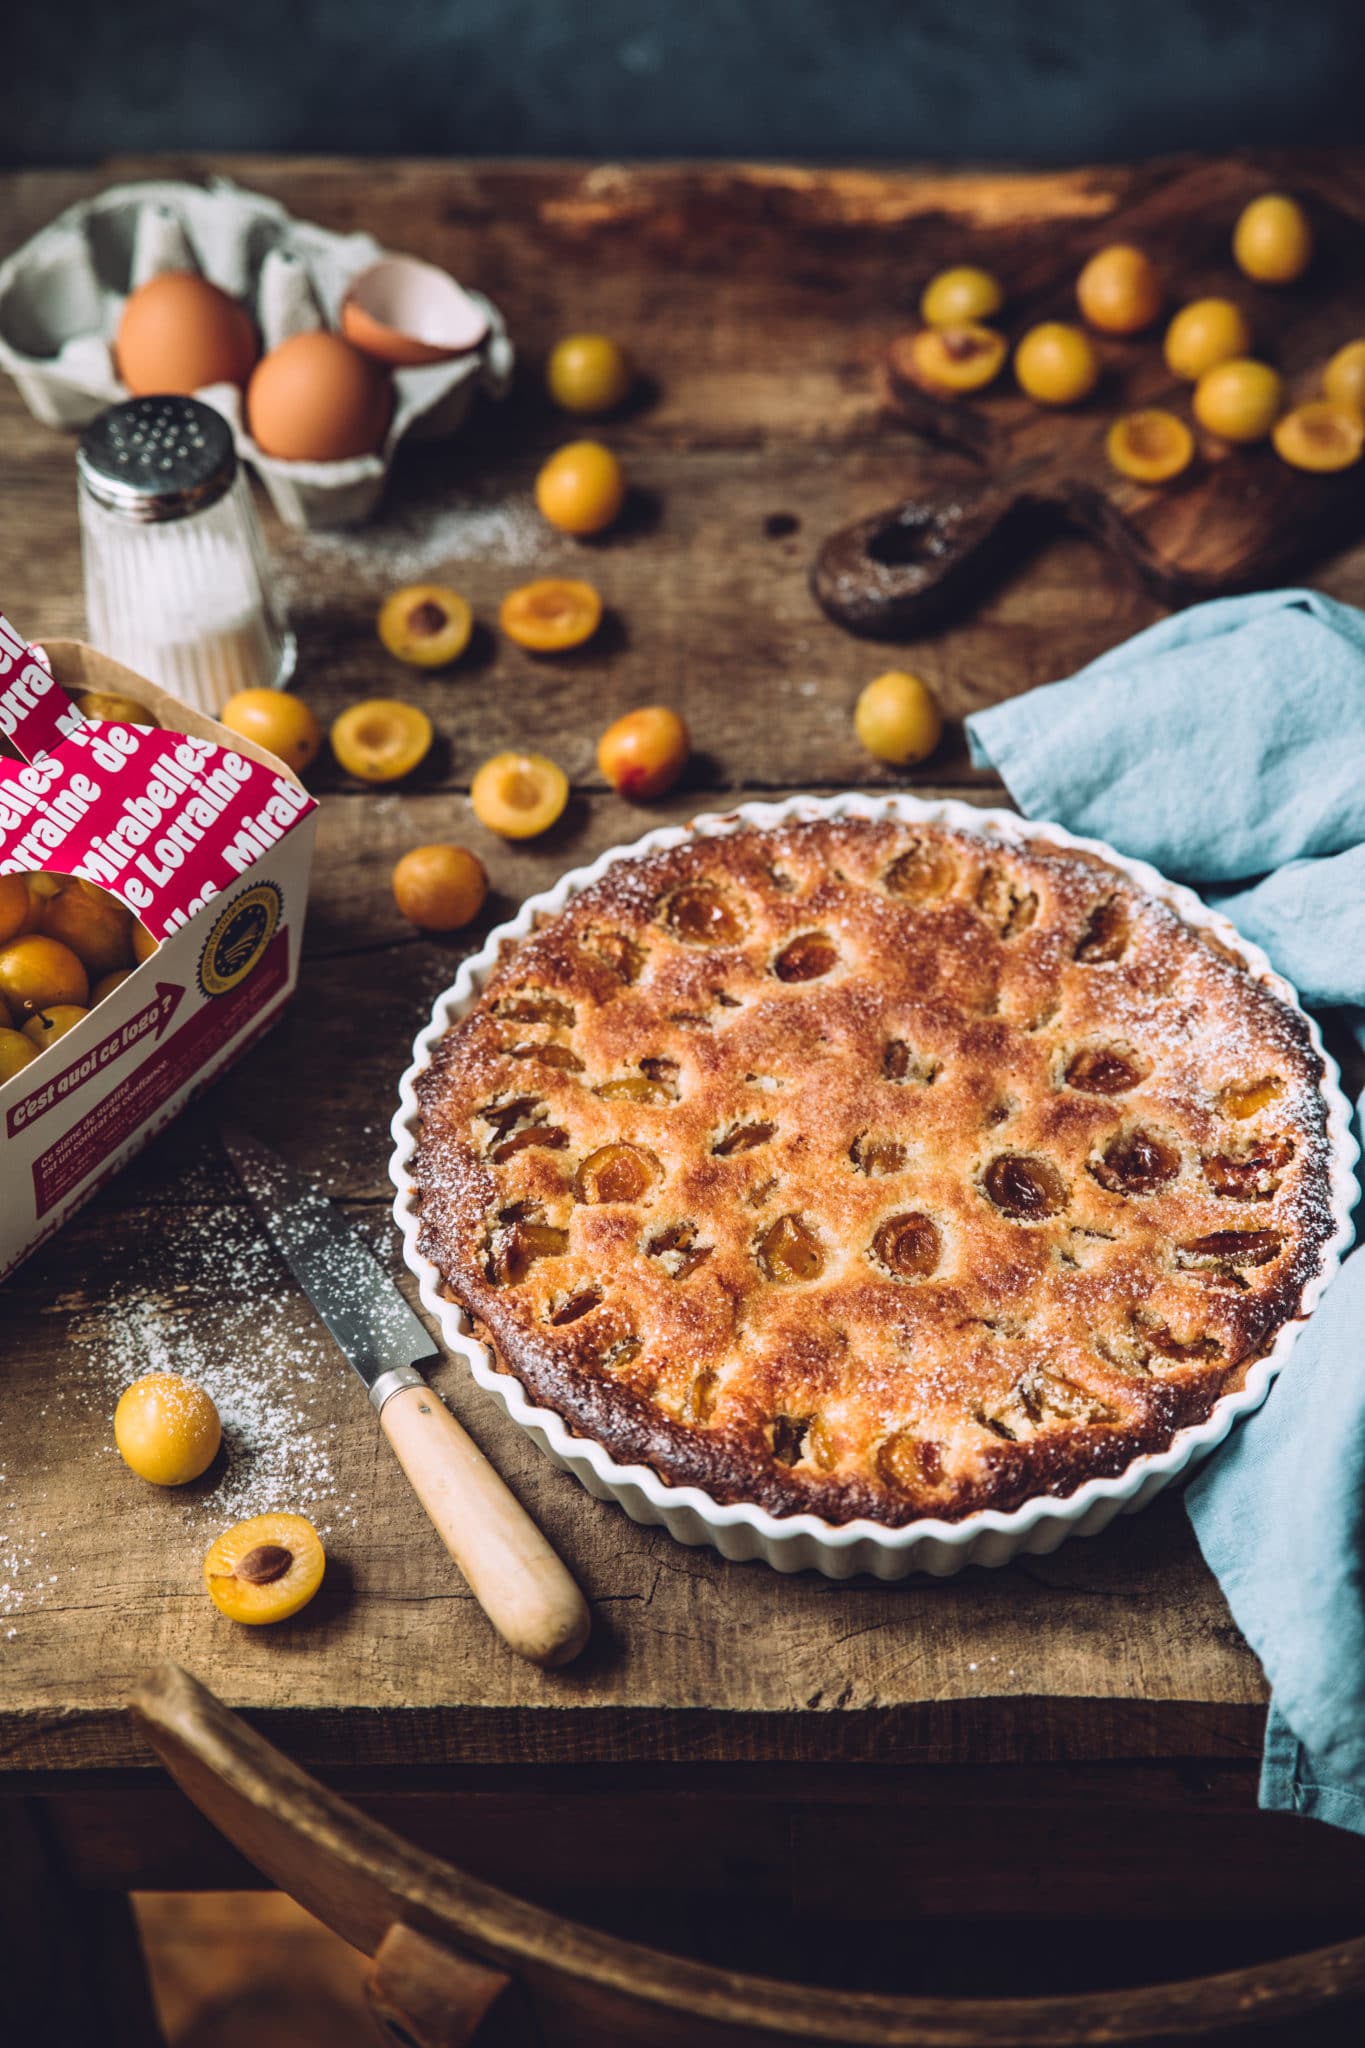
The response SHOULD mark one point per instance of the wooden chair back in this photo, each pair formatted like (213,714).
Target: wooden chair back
(458,1961)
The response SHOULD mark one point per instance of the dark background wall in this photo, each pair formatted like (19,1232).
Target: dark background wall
(1040,81)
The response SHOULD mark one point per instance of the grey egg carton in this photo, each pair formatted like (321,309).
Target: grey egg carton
(61,295)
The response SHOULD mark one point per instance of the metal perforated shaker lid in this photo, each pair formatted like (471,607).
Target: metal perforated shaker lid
(157,458)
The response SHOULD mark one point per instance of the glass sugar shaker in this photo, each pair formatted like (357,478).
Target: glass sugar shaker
(177,580)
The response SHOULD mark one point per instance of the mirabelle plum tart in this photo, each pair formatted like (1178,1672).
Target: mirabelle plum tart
(872,1167)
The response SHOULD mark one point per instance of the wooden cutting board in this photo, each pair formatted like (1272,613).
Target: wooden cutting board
(1238,518)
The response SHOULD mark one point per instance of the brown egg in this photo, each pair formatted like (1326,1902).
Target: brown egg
(178,332)
(317,399)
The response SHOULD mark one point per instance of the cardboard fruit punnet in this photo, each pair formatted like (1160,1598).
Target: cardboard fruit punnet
(61,295)
(205,837)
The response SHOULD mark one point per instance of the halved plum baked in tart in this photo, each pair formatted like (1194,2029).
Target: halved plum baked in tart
(868,1168)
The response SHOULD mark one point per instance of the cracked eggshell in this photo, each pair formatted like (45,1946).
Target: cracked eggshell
(405,312)
(62,293)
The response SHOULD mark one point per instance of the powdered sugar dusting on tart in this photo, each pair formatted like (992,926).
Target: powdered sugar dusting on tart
(937,1191)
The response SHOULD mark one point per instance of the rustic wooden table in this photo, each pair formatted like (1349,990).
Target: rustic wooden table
(729,1729)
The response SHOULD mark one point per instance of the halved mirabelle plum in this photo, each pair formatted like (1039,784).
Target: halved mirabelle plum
(36,972)
(276,720)
(425,625)
(381,739)
(809,957)
(908,1246)
(16,907)
(1151,446)
(1108,930)
(925,870)
(1239,400)
(1343,381)
(166,1429)
(113,709)
(1057,364)
(519,795)
(1105,1070)
(1319,436)
(1120,290)
(94,925)
(645,752)
(440,888)
(551,614)
(635,1088)
(1272,240)
(582,488)
(789,1251)
(951,360)
(1204,333)
(701,914)
(617,1173)
(46,1026)
(587,373)
(1025,1187)
(15,1053)
(961,294)
(1136,1162)
(1242,1099)
(265,1569)
(910,1461)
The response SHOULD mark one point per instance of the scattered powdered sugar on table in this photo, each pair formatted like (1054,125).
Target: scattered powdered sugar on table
(417,543)
(26,1576)
(259,1353)
(210,1301)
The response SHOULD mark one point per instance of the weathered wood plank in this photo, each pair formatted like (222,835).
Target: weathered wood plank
(394,1628)
(758,303)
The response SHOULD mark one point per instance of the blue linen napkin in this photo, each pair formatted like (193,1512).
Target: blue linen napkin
(1227,746)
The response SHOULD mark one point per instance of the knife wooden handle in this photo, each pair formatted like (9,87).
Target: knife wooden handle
(513,1573)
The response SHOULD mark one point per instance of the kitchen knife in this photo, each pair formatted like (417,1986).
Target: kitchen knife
(512,1572)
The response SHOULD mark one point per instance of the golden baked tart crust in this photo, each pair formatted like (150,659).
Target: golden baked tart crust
(874,1169)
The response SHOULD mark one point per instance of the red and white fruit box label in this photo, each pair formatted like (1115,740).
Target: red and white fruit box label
(162,820)
(210,848)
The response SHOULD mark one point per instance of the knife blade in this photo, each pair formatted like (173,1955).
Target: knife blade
(518,1580)
(373,1326)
